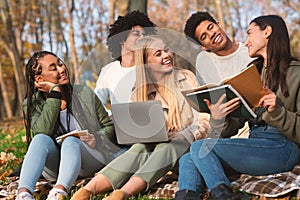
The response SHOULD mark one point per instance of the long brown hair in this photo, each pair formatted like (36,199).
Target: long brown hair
(278,52)
(34,68)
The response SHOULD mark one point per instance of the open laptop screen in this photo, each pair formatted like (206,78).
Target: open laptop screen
(139,122)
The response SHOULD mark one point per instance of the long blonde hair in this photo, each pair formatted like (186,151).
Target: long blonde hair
(168,90)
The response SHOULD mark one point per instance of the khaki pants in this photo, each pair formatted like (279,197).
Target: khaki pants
(147,161)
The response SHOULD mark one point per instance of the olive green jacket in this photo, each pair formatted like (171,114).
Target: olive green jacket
(285,117)
(87,110)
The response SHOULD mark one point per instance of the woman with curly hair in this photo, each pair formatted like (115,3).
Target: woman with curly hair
(53,107)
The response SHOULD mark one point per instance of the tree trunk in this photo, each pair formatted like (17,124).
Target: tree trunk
(70,6)
(49,14)
(9,112)
(19,76)
(123,7)
(140,5)
(112,6)
(185,5)
(229,20)
(13,47)
(220,13)
(60,23)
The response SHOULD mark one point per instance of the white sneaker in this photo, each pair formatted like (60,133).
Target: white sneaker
(56,194)
(24,196)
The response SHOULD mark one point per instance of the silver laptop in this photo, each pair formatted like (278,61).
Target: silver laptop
(139,122)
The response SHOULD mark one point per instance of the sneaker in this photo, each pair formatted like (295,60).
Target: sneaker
(187,195)
(57,194)
(24,196)
(224,192)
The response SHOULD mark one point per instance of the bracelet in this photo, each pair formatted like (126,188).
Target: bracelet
(53,86)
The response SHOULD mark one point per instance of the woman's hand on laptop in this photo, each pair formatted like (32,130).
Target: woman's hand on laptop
(89,139)
(175,136)
(171,135)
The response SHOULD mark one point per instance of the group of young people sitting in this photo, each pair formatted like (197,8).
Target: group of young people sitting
(143,69)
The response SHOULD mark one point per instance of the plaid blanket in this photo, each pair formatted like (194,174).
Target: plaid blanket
(265,186)
(271,185)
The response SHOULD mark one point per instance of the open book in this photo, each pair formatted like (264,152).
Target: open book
(246,85)
(75,133)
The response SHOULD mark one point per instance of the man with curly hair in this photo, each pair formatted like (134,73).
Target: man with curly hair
(117,78)
(221,58)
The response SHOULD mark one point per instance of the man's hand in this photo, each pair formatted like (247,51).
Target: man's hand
(220,110)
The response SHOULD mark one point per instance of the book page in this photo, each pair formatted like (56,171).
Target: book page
(248,83)
(75,133)
(203,87)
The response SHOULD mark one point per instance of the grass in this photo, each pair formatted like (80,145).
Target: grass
(13,142)
(12,150)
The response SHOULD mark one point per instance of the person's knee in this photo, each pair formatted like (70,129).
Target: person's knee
(72,142)
(202,148)
(138,148)
(185,158)
(172,150)
(41,140)
(196,146)
(71,139)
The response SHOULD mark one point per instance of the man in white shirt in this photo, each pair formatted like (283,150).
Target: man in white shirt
(117,78)
(221,58)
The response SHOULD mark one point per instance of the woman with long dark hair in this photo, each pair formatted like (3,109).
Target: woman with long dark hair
(53,107)
(272,145)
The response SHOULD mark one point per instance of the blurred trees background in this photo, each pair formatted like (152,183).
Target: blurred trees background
(76,31)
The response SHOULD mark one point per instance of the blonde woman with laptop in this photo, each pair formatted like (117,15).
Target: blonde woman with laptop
(143,164)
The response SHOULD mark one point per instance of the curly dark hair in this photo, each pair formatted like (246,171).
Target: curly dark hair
(193,21)
(122,26)
(33,68)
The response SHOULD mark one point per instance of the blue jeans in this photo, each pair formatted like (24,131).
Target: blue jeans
(266,151)
(64,163)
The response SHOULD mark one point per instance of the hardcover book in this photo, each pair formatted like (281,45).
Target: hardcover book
(246,85)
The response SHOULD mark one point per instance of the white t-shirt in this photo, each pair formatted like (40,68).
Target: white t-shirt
(212,68)
(115,82)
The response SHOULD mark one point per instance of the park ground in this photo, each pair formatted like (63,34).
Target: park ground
(13,148)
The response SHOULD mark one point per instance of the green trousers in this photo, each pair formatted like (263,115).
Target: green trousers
(146,161)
